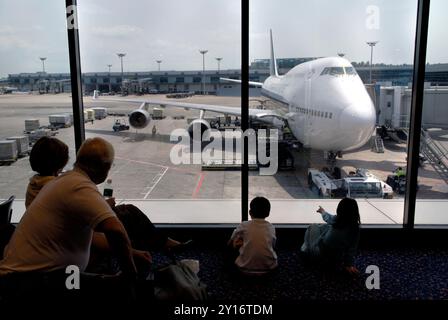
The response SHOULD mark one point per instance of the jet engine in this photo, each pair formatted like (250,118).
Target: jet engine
(139,118)
(198,126)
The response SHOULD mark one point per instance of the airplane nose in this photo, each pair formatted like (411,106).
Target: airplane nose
(358,123)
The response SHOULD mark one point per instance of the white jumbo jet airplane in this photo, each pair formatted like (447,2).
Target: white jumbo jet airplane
(323,101)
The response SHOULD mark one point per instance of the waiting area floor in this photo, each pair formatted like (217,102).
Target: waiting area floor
(405,274)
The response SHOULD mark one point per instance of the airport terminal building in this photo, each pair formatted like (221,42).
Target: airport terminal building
(186,81)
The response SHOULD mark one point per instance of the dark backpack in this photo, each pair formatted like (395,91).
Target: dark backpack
(6,231)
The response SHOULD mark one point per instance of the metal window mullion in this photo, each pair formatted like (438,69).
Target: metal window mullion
(245,106)
(418,81)
(75,77)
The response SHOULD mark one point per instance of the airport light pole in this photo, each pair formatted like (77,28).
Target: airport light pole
(110,83)
(203,52)
(43,63)
(219,63)
(121,55)
(371,44)
(159,62)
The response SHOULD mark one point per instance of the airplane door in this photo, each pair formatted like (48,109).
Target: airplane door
(309,117)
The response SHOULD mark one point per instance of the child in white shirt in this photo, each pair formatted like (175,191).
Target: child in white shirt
(255,240)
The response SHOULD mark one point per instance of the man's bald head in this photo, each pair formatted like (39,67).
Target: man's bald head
(95,157)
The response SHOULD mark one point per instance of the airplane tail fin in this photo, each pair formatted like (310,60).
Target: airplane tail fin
(273,63)
(95,94)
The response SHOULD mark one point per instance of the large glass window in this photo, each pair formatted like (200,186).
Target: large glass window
(158,167)
(34,89)
(332,108)
(432,192)
(334,119)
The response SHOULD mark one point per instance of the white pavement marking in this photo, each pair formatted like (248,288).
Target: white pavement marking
(155,181)
(382,212)
(156,178)
(143,162)
(120,167)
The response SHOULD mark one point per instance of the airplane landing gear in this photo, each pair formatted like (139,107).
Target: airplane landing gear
(331,156)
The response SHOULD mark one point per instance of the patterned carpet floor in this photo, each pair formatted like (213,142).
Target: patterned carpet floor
(405,274)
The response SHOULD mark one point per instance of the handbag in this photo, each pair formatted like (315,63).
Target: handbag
(178,282)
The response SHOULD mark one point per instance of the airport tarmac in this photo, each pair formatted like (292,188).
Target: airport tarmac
(143,170)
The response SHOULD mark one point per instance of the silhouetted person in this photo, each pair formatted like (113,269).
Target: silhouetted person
(255,240)
(334,244)
(47,158)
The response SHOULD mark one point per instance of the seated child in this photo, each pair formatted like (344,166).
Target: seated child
(335,242)
(48,157)
(255,240)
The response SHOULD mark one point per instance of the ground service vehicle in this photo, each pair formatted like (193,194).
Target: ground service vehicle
(359,184)
(120,125)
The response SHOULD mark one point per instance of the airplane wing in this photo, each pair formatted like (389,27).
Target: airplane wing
(251,83)
(255,113)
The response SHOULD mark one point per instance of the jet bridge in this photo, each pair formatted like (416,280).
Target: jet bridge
(395,105)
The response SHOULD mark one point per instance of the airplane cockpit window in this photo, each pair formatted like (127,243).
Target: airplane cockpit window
(350,71)
(333,71)
(337,71)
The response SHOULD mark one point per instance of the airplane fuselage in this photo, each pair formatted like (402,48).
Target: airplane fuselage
(325,103)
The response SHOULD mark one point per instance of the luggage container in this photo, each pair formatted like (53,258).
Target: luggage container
(100,112)
(60,120)
(157,113)
(31,125)
(8,151)
(89,115)
(23,144)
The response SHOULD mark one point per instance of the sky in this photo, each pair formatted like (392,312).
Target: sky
(175,30)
